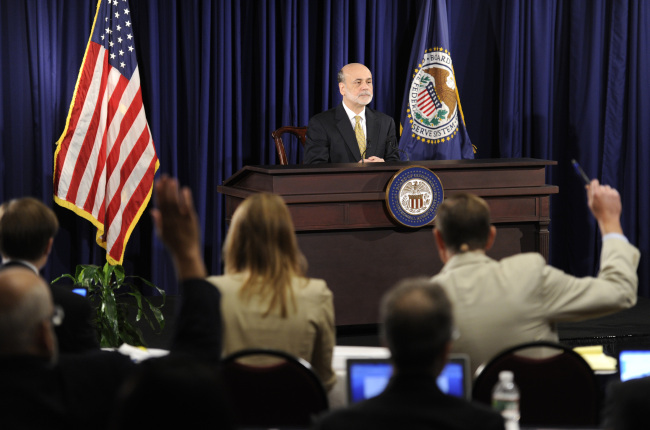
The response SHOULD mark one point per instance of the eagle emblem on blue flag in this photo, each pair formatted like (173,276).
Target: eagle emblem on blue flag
(433,112)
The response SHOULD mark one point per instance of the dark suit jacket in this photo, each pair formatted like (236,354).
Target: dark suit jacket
(77,332)
(79,390)
(412,402)
(331,139)
(627,405)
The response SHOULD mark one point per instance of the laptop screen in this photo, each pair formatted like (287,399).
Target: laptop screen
(634,364)
(368,377)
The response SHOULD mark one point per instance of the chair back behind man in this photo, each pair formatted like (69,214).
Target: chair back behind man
(280,149)
(558,389)
(269,388)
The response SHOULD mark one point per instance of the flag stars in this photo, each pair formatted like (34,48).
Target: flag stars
(117,14)
(112,56)
(108,30)
(122,64)
(121,52)
(130,48)
(129,36)
(126,11)
(111,43)
(119,27)
(114,2)
(128,23)
(119,39)
(102,36)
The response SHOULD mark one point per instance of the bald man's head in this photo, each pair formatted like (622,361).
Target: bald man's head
(25,312)
(355,85)
(417,324)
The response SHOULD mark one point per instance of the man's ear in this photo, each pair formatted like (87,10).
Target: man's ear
(443,358)
(447,350)
(48,249)
(491,236)
(341,88)
(46,338)
(442,248)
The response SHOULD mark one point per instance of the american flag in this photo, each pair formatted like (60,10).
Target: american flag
(428,100)
(105,160)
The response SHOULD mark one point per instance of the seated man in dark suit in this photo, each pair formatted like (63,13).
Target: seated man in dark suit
(41,389)
(27,230)
(417,327)
(351,132)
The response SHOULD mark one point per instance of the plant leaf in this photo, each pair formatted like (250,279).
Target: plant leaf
(66,276)
(109,308)
(157,313)
(118,271)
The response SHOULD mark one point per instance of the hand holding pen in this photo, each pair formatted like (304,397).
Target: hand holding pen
(603,201)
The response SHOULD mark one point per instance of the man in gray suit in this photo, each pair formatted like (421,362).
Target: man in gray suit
(351,132)
(499,304)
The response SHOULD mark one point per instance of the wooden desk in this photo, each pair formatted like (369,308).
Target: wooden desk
(351,241)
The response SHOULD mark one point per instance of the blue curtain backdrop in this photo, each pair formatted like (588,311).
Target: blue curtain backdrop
(553,79)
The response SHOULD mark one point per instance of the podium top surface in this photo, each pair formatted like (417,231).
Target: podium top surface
(488,163)
(484,177)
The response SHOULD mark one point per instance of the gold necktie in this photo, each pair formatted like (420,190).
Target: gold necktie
(361,138)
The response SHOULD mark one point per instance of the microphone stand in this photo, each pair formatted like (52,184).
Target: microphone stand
(393,145)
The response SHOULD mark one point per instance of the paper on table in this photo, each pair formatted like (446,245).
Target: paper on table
(596,359)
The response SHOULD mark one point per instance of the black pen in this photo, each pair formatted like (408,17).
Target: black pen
(580,172)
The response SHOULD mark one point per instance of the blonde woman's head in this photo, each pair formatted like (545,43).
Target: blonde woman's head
(261,240)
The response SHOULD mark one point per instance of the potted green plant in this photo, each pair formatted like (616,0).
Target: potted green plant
(108,287)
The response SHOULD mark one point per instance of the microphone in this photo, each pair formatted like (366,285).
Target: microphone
(365,151)
(394,146)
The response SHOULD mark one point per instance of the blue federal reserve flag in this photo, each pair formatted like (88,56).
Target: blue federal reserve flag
(432,122)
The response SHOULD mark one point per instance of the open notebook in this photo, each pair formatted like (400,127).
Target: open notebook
(367,377)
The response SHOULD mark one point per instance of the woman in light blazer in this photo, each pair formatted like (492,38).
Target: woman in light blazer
(267,302)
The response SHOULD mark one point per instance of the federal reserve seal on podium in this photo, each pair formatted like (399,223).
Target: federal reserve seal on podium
(413,196)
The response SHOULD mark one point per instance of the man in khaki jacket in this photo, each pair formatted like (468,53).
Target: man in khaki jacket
(499,304)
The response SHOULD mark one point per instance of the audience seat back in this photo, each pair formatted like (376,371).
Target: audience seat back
(557,390)
(286,393)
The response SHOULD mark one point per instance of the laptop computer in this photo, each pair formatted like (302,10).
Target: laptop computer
(633,364)
(367,377)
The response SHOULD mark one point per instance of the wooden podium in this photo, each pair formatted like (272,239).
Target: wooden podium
(350,239)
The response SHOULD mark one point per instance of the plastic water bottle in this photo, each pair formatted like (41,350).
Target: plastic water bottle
(505,399)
